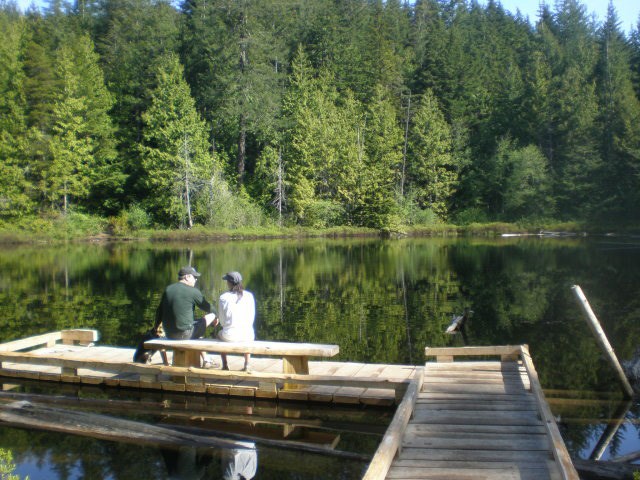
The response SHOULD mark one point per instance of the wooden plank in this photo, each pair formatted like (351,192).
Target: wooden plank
(431,429)
(511,473)
(472,397)
(434,375)
(352,395)
(325,393)
(382,397)
(479,455)
(83,336)
(470,388)
(455,417)
(475,365)
(514,382)
(506,350)
(256,347)
(478,441)
(48,339)
(520,406)
(474,464)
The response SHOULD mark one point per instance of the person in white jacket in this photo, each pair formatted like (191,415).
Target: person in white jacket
(236,313)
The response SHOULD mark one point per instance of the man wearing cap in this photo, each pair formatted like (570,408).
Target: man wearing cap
(237,312)
(177,307)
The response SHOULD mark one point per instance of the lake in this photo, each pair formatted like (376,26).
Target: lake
(381,300)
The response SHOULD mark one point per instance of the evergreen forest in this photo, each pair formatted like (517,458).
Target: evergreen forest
(320,113)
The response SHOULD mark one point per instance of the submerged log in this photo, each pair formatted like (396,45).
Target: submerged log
(28,415)
(597,470)
(23,414)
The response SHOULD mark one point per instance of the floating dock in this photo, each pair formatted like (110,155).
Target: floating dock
(72,356)
(463,416)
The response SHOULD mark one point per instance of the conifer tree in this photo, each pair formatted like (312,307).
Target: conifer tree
(568,42)
(130,37)
(619,110)
(175,156)
(81,144)
(431,166)
(15,199)
(235,56)
(380,174)
(634,41)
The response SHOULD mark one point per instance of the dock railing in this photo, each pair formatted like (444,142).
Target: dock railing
(391,443)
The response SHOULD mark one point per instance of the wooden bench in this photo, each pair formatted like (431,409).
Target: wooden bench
(295,356)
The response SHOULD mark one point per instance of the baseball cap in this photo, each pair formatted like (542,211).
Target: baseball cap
(233,277)
(188,271)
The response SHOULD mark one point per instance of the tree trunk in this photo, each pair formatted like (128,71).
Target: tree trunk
(242,146)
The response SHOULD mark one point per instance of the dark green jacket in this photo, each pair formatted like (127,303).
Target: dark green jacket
(177,307)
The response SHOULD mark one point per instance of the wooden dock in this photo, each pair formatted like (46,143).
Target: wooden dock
(73,357)
(474,420)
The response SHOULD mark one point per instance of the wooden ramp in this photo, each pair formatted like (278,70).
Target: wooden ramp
(474,420)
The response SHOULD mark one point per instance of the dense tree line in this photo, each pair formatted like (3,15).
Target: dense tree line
(318,112)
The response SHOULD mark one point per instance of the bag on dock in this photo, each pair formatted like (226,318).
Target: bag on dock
(142,355)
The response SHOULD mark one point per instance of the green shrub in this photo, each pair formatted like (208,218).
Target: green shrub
(132,219)
(323,213)
(76,224)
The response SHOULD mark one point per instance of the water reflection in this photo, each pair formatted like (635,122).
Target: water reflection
(380,300)
(185,463)
(240,464)
(189,463)
(290,439)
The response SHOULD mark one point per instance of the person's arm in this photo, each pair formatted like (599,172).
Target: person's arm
(158,320)
(202,303)
(251,310)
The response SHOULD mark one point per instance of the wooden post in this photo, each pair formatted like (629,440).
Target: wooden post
(602,341)
(296,365)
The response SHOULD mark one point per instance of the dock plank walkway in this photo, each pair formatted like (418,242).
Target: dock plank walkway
(473,419)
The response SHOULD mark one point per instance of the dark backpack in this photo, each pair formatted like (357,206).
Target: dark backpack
(142,355)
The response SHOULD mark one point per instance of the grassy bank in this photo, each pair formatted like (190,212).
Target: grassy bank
(80,227)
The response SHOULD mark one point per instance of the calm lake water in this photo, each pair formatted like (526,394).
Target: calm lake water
(380,300)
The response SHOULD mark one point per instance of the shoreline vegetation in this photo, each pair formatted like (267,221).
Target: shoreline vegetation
(79,228)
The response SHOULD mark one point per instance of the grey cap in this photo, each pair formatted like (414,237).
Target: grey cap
(188,271)
(233,277)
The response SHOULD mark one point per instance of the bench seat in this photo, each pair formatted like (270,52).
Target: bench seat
(295,356)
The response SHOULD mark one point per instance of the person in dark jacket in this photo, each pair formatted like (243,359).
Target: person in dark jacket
(176,311)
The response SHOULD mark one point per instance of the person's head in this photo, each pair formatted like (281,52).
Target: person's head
(188,275)
(234,281)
